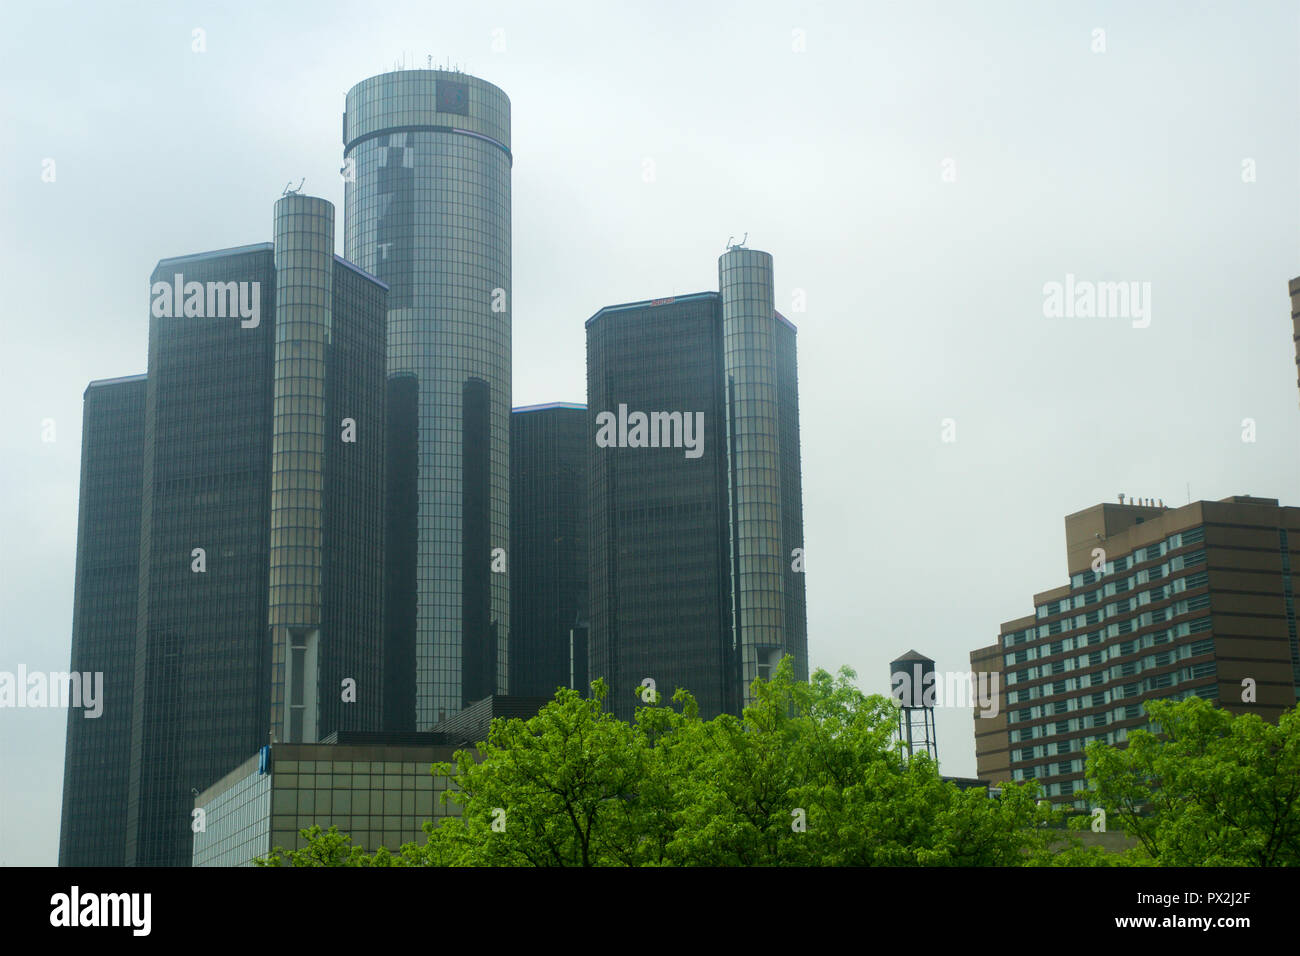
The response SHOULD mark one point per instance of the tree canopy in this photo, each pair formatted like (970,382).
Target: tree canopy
(1210,789)
(809,776)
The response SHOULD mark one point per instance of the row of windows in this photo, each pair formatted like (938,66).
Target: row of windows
(1128,669)
(1110,589)
(1141,555)
(371,113)
(1098,657)
(1146,619)
(1111,738)
(1093,679)
(432,211)
(1127,712)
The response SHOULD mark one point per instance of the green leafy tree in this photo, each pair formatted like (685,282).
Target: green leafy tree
(324,848)
(568,787)
(809,775)
(1211,789)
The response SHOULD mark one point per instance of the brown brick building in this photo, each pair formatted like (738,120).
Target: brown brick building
(1293,287)
(1190,600)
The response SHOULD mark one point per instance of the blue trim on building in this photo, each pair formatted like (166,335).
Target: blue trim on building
(360,271)
(546,405)
(666,300)
(116,381)
(218,253)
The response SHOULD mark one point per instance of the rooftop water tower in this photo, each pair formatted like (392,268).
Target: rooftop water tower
(912,685)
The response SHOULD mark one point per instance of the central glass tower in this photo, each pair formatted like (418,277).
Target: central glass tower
(427,210)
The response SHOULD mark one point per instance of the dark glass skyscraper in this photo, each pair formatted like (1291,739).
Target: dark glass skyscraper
(427,162)
(696,504)
(401,547)
(261,583)
(202,662)
(548,544)
(659,560)
(98,755)
(794,604)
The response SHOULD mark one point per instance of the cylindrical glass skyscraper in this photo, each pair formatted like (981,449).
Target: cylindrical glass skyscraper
(753,402)
(304,298)
(427,210)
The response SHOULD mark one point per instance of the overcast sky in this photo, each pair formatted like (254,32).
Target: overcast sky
(919,170)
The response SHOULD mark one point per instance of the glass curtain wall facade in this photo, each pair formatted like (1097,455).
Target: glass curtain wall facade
(757,541)
(327,481)
(696,573)
(304,267)
(548,544)
(401,546)
(379,795)
(352,521)
(98,755)
(427,163)
(261,596)
(202,657)
(795,602)
(659,578)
